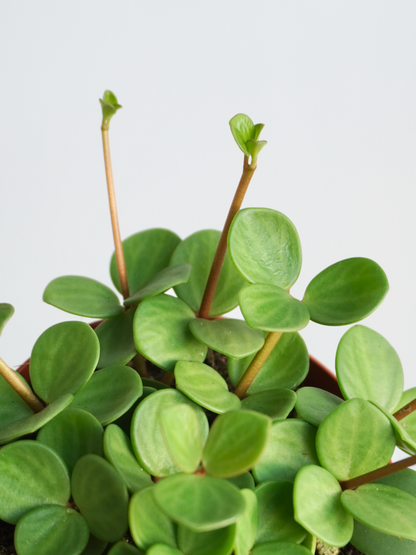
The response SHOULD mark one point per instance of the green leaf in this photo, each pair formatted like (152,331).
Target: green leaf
(12,406)
(280,548)
(161,332)
(205,386)
(254,148)
(236,442)
(354,439)
(146,254)
(116,340)
(313,405)
(94,546)
(406,397)
(163,549)
(192,500)
(230,337)
(63,359)
(243,129)
(123,548)
(229,283)
(50,530)
(45,479)
(346,292)
(213,542)
(6,312)
(404,440)
(276,520)
(109,393)
(265,247)
(148,523)
(318,508)
(82,296)
(72,434)
(246,526)
(276,403)
(109,107)
(146,431)
(243,481)
(290,355)
(271,308)
(119,452)
(368,367)
(384,508)
(101,496)
(291,446)
(310,543)
(161,282)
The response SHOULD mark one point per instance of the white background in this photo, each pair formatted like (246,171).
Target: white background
(334,82)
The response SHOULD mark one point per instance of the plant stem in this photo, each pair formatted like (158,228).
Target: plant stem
(379,473)
(21,389)
(248,171)
(256,364)
(405,411)
(121,265)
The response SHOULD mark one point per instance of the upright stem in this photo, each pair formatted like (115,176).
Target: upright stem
(257,362)
(21,389)
(379,473)
(248,171)
(405,411)
(121,265)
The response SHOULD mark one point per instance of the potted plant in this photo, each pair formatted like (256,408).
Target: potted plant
(167,429)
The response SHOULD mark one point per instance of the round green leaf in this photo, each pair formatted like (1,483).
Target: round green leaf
(146,431)
(205,386)
(161,282)
(101,496)
(213,542)
(161,332)
(230,337)
(163,549)
(313,405)
(280,548)
(31,475)
(276,403)
(265,247)
(119,452)
(94,546)
(6,312)
(236,442)
(63,359)
(368,367)
(193,500)
(346,292)
(242,128)
(246,526)
(291,446)
(116,340)
(318,507)
(384,508)
(404,440)
(148,523)
(109,393)
(229,283)
(146,253)
(371,542)
(82,296)
(12,406)
(354,439)
(50,530)
(276,520)
(243,481)
(72,434)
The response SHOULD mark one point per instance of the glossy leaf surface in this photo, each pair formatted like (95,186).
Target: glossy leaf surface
(213,542)
(247,524)
(6,312)
(313,404)
(346,292)
(82,296)
(265,247)
(12,406)
(275,403)
(116,340)
(279,548)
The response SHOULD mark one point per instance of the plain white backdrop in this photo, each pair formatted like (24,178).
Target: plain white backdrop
(334,82)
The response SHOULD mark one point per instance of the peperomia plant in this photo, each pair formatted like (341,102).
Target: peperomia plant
(168,429)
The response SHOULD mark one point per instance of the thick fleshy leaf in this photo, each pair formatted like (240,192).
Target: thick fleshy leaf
(213,542)
(310,543)
(192,500)
(123,548)
(161,282)
(109,106)
(230,337)
(229,283)
(404,440)
(276,520)
(236,442)
(280,548)
(6,312)
(384,508)
(63,359)
(94,546)
(290,356)
(205,386)
(368,367)
(116,340)
(243,481)
(161,332)
(119,452)
(12,406)
(72,434)
(247,524)
(101,496)
(148,523)
(146,431)
(45,479)
(82,296)
(255,147)
(291,446)
(354,439)
(276,403)
(313,405)
(162,549)
(243,129)
(318,507)
(51,529)
(109,393)
(265,247)
(146,253)
(346,292)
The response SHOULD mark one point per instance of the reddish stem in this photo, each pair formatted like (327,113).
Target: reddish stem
(379,473)
(405,411)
